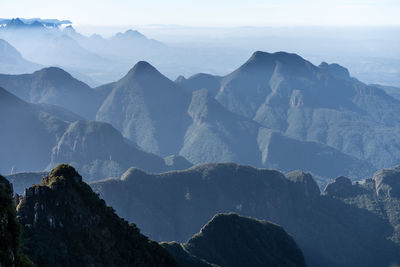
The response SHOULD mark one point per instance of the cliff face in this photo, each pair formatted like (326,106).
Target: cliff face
(65,224)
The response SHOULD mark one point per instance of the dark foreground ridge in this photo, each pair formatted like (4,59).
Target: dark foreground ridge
(231,240)
(66,224)
(173,206)
(10,230)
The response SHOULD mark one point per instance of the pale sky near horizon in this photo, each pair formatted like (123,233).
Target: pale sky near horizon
(210,12)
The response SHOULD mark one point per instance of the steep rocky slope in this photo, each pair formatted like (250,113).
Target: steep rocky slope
(65,223)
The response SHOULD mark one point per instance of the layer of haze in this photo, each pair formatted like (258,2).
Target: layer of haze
(217,36)
(211,13)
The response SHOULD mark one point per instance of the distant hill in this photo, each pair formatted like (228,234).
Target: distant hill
(231,240)
(174,205)
(36,138)
(27,22)
(54,86)
(390,90)
(12,62)
(27,135)
(73,226)
(149,109)
(200,81)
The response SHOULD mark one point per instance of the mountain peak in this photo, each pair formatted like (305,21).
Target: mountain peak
(268,244)
(69,29)
(335,69)
(143,68)
(129,34)
(262,60)
(62,172)
(17,22)
(263,56)
(53,73)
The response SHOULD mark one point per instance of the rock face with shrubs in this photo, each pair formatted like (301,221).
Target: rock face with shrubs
(66,224)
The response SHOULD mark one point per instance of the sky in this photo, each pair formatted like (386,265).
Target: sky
(210,12)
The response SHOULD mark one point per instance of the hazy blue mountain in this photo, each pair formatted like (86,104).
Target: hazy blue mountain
(233,240)
(27,135)
(65,223)
(164,119)
(174,205)
(12,62)
(200,81)
(218,135)
(324,104)
(17,24)
(32,22)
(390,90)
(36,138)
(97,149)
(54,86)
(149,109)
(51,46)
(335,70)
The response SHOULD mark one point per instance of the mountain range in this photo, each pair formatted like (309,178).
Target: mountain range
(322,104)
(11,60)
(164,118)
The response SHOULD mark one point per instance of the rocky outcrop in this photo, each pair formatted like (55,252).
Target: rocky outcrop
(65,223)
